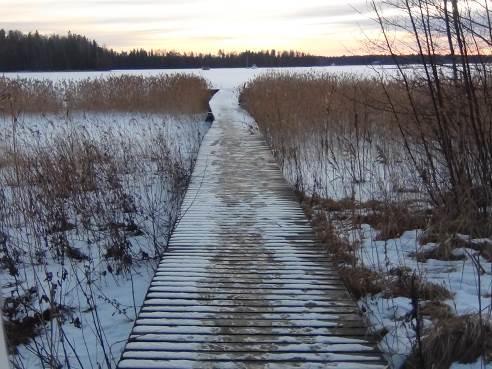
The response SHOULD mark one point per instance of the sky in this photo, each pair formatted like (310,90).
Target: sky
(322,27)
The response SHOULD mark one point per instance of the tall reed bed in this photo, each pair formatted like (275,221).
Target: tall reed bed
(90,191)
(374,166)
(176,93)
(332,134)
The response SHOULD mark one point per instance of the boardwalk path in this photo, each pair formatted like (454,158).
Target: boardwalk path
(243,284)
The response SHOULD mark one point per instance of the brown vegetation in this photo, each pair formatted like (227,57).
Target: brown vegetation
(370,133)
(176,93)
(360,280)
(378,134)
(82,202)
(456,339)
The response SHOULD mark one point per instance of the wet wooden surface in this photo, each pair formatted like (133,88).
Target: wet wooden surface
(244,284)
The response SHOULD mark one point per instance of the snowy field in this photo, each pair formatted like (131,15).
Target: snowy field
(226,78)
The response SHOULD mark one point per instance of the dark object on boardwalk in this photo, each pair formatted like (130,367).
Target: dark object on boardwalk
(210,117)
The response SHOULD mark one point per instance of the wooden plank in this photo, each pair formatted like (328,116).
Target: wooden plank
(244,283)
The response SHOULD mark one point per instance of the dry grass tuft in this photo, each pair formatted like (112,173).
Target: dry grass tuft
(435,310)
(458,339)
(406,284)
(392,219)
(361,281)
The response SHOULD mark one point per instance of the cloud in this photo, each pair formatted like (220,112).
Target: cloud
(326,11)
(188,24)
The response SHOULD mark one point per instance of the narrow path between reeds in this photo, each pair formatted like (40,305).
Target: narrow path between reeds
(244,284)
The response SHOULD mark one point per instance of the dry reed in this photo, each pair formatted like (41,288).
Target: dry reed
(385,157)
(85,197)
(460,339)
(177,93)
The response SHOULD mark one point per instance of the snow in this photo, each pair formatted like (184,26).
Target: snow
(470,288)
(3,348)
(225,78)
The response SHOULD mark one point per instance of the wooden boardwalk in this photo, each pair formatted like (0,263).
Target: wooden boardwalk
(243,284)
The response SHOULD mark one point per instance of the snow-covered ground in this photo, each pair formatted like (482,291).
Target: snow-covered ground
(97,293)
(470,284)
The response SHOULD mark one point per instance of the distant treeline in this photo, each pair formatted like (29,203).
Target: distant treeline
(35,52)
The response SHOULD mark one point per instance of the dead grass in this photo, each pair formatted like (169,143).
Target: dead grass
(360,280)
(338,136)
(86,200)
(177,93)
(392,219)
(322,127)
(406,284)
(457,339)
(336,122)
(342,250)
(29,96)
(436,311)
(89,197)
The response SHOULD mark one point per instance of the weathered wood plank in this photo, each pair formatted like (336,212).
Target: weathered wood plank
(244,283)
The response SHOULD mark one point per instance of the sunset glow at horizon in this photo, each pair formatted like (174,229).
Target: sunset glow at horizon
(321,27)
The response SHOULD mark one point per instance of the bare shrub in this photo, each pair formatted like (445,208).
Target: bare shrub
(448,138)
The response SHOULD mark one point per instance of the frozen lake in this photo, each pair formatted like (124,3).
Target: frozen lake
(226,78)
